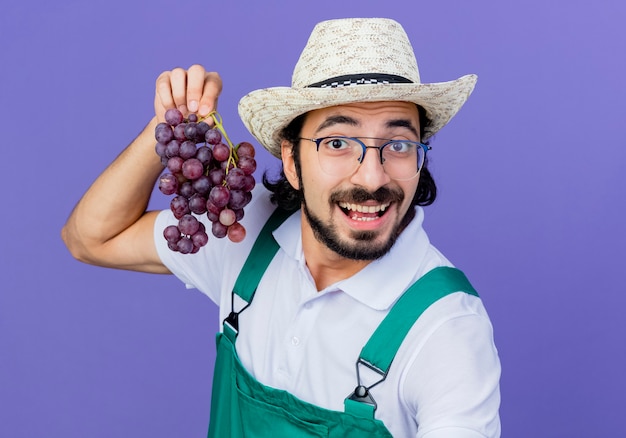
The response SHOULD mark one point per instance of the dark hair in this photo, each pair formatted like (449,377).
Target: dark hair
(285,196)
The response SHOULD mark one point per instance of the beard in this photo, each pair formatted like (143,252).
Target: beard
(359,245)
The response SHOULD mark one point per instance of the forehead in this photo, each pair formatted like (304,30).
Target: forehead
(364,114)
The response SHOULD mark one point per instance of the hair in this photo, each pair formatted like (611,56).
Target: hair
(286,197)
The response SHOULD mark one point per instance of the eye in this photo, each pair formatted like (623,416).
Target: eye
(401,147)
(336,143)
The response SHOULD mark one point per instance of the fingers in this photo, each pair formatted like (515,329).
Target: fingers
(195,86)
(191,91)
(211,92)
(178,84)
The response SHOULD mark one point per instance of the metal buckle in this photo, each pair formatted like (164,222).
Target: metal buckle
(362,393)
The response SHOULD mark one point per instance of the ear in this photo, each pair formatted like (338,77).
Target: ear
(289,164)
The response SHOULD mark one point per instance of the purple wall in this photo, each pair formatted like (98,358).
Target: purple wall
(531,191)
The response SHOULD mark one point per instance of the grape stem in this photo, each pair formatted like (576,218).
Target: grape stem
(217,119)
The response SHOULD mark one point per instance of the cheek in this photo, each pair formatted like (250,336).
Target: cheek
(409,193)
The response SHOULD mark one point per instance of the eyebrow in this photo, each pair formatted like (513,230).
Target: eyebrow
(345,120)
(337,120)
(403,123)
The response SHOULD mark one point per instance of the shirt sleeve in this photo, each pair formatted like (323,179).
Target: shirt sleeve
(453,384)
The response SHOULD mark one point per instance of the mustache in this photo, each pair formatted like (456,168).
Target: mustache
(358,195)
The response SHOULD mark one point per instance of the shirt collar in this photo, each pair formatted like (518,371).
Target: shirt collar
(381,282)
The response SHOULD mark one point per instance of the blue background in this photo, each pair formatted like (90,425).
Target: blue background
(532,194)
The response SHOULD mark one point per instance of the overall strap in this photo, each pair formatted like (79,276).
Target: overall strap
(261,255)
(384,343)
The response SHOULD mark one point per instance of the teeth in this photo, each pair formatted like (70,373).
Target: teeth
(364,208)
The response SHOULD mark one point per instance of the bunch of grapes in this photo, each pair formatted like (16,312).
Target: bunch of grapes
(207,175)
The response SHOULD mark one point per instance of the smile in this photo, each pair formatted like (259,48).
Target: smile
(360,212)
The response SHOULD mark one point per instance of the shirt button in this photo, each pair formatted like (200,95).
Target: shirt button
(295,341)
(308,305)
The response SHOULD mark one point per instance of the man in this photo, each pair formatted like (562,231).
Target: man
(347,321)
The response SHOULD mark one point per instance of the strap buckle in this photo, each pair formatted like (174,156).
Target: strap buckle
(362,393)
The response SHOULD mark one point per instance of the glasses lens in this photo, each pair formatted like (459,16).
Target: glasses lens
(341,156)
(402,159)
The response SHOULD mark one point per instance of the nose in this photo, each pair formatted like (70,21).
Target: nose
(370,174)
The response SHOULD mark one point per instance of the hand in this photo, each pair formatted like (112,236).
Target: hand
(191,91)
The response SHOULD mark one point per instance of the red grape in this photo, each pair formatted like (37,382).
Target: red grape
(188,224)
(219,196)
(245,149)
(236,232)
(213,136)
(219,230)
(227,217)
(173,116)
(192,168)
(212,178)
(168,184)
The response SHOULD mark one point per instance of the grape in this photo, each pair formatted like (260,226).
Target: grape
(187,149)
(192,168)
(227,217)
(160,149)
(175,164)
(186,190)
(168,184)
(219,230)
(179,206)
(179,132)
(245,149)
(163,133)
(210,206)
(219,196)
(213,217)
(235,178)
(203,128)
(236,232)
(206,176)
(202,185)
(221,152)
(200,238)
(249,184)
(213,136)
(204,154)
(172,233)
(238,199)
(173,117)
(246,164)
(188,224)
(197,204)
(227,166)
(191,131)
(172,149)
(185,245)
(217,176)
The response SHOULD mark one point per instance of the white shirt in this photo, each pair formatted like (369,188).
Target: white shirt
(445,376)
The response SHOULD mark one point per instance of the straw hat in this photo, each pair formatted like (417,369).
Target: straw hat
(346,61)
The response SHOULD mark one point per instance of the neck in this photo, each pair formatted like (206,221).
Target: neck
(325,265)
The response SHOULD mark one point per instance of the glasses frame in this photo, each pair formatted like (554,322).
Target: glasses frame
(387,142)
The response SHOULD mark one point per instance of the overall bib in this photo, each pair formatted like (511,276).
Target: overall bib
(243,407)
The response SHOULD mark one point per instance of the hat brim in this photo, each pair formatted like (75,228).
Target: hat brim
(267,111)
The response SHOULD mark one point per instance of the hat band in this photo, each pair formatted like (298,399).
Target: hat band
(361,79)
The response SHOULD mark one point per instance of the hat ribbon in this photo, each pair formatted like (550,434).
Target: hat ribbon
(360,79)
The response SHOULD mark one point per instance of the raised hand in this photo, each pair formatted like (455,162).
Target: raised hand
(191,91)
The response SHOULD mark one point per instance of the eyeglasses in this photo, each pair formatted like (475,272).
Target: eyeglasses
(341,156)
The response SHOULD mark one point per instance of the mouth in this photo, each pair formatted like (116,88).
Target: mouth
(363,212)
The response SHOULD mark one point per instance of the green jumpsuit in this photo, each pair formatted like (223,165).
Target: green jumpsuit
(243,407)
